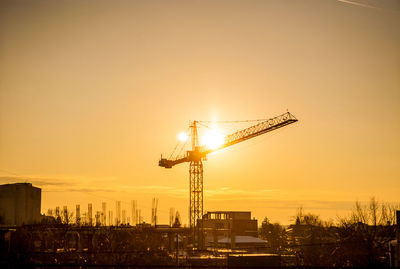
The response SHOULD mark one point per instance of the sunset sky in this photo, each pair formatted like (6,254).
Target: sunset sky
(92,92)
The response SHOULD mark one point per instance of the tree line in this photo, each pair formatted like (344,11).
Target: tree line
(358,240)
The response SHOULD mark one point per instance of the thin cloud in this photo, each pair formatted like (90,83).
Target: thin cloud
(84,190)
(159,189)
(366,5)
(223,192)
(35,181)
(153,187)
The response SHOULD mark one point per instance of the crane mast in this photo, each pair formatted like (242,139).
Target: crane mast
(196,183)
(198,153)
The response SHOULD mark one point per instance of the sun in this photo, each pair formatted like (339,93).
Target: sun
(213,139)
(183,137)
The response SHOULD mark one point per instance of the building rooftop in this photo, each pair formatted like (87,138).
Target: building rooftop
(18,184)
(242,239)
(228,211)
(226,215)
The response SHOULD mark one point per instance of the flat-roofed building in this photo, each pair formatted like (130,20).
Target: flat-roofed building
(20,204)
(223,224)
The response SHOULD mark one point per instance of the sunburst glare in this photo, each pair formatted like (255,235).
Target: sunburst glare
(213,139)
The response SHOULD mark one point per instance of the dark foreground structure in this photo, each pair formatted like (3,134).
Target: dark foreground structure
(71,246)
(19,204)
(67,246)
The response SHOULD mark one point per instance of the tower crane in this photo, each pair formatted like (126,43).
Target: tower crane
(198,153)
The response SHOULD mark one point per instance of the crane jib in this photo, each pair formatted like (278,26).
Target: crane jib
(200,153)
(239,137)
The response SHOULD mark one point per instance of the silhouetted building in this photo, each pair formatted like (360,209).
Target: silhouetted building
(242,242)
(118,213)
(78,214)
(228,224)
(20,204)
(89,215)
(104,214)
(110,218)
(133,212)
(124,217)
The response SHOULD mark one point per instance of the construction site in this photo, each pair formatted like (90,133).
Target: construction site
(198,153)
(213,239)
(120,236)
(199,134)
(210,239)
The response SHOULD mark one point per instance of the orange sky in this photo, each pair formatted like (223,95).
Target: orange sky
(92,92)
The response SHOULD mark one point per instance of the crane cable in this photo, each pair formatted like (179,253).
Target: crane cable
(184,144)
(221,131)
(231,121)
(177,144)
(180,151)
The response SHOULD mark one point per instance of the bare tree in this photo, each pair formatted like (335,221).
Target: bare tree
(365,233)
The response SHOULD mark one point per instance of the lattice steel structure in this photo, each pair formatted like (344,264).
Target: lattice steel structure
(196,186)
(197,154)
(196,197)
